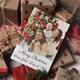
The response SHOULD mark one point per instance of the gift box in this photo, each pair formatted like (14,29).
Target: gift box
(64,15)
(70,5)
(3,67)
(73,45)
(73,39)
(28,5)
(9,11)
(65,74)
(9,37)
(21,72)
(63,58)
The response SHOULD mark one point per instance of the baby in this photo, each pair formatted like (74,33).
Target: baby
(47,31)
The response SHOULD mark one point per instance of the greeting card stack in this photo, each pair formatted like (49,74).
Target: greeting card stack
(37,47)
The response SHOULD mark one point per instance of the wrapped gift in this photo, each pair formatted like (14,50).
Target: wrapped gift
(73,45)
(65,74)
(9,37)
(63,15)
(3,67)
(74,31)
(6,48)
(45,5)
(63,58)
(14,41)
(12,32)
(73,39)
(9,11)
(70,5)
(21,72)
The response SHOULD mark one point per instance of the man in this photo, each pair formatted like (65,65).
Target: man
(39,45)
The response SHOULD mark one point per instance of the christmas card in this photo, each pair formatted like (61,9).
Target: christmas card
(40,40)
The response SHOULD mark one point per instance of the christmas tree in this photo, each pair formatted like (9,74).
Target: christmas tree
(38,20)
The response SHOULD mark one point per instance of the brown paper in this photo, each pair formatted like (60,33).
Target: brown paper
(3,33)
(72,46)
(6,48)
(60,73)
(45,5)
(2,65)
(14,41)
(3,36)
(63,59)
(11,12)
(12,32)
(63,15)
(8,40)
(69,4)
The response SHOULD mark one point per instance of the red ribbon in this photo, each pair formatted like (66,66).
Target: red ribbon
(3,69)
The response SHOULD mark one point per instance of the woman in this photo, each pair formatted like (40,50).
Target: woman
(53,43)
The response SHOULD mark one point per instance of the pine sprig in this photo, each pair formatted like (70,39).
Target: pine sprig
(37,75)
(40,74)
(69,72)
(68,75)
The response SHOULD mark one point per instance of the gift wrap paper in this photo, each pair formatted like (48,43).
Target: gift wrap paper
(64,15)
(9,37)
(73,45)
(14,41)
(20,72)
(70,5)
(28,5)
(63,59)
(11,11)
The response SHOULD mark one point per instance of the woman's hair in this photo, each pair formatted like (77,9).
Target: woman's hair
(59,36)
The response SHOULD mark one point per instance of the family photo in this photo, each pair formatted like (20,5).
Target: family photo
(46,41)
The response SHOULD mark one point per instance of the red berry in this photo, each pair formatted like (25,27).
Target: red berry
(52,75)
(74,70)
(5,43)
(51,69)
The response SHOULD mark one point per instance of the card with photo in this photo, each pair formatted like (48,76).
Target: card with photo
(37,46)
